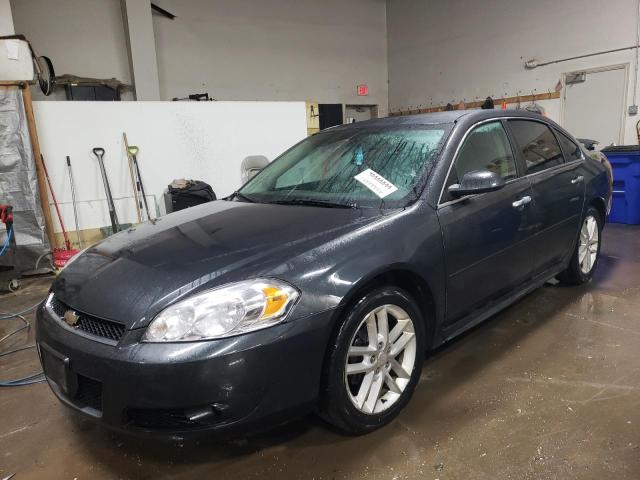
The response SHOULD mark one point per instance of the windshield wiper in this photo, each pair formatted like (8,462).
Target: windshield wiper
(314,203)
(243,197)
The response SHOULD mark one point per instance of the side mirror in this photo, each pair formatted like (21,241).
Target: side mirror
(478,181)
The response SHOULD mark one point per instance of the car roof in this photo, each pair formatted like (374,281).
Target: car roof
(439,118)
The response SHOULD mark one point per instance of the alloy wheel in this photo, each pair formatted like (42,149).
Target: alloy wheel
(588,247)
(380,359)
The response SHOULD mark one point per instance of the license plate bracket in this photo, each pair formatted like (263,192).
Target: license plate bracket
(57,369)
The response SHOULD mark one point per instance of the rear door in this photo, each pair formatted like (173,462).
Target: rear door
(484,234)
(558,189)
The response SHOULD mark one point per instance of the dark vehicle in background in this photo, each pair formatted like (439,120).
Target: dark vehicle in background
(320,284)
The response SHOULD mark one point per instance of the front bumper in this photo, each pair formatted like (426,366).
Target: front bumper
(241,383)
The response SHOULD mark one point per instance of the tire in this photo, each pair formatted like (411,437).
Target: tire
(580,271)
(346,401)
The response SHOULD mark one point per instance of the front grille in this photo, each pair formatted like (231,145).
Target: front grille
(58,307)
(91,325)
(101,328)
(89,393)
(174,419)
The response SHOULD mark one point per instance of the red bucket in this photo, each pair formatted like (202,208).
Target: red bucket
(61,256)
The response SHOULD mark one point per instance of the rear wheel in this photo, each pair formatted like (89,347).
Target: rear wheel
(375,361)
(587,251)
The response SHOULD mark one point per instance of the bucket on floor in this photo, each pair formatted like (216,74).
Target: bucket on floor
(625,161)
(61,256)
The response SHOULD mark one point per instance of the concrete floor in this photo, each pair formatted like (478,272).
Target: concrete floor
(549,388)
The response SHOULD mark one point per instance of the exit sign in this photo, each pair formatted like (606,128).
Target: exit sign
(363,90)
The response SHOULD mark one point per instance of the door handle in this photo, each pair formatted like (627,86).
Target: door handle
(578,179)
(519,204)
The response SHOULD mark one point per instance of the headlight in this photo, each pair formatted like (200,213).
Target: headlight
(229,310)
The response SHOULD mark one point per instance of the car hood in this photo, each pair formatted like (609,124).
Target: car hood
(132,275)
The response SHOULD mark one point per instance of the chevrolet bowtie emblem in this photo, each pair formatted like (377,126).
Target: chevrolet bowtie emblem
(71,318)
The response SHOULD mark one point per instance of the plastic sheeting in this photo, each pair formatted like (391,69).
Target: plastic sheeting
(18,182)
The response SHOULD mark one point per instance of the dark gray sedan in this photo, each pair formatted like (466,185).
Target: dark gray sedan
(322,282)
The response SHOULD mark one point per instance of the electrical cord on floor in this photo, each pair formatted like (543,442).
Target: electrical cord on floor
(29,379)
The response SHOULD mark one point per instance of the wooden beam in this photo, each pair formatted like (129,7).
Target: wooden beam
(42,181)
(478,104)
(13,83)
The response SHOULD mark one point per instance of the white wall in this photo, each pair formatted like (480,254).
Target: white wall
(235,50)
(203,141)
(447,50)
(273,50)
(82,37)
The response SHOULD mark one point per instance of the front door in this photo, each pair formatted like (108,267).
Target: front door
(330,114)
(485,236)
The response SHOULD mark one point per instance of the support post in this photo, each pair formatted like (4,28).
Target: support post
(141,47)
(6,18)
(42,182)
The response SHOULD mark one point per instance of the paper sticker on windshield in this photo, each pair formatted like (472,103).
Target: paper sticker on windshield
(376,183)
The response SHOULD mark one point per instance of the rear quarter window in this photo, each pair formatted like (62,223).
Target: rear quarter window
(571,150)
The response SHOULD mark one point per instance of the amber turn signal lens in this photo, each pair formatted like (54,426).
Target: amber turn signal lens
(276,299)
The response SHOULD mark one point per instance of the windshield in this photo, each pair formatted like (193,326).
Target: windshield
(370,167)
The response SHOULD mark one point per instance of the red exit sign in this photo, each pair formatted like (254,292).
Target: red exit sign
(363,90)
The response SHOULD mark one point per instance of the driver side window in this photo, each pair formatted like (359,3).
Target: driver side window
(486,147)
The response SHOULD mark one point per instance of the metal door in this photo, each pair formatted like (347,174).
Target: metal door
(594,106)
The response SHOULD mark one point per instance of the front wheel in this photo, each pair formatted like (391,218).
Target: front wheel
(587,251)
(375,362)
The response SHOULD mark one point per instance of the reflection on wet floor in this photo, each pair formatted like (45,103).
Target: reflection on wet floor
(549,388)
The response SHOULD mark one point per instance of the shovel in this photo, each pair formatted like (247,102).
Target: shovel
(99,153)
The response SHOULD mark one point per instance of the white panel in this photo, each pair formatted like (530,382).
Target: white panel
(15,60)
(200,140)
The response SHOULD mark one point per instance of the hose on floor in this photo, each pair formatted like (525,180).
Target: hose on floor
(9,316)
(29,379)
(6,241)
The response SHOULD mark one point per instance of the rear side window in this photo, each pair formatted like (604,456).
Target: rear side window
(537,144)
(571,150)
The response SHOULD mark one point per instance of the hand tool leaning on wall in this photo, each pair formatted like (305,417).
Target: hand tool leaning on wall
(99,153)
(60,256)
(73,200)
(139,192)
(136,201)
(67,243)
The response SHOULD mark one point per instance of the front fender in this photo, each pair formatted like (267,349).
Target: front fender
(331,275)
